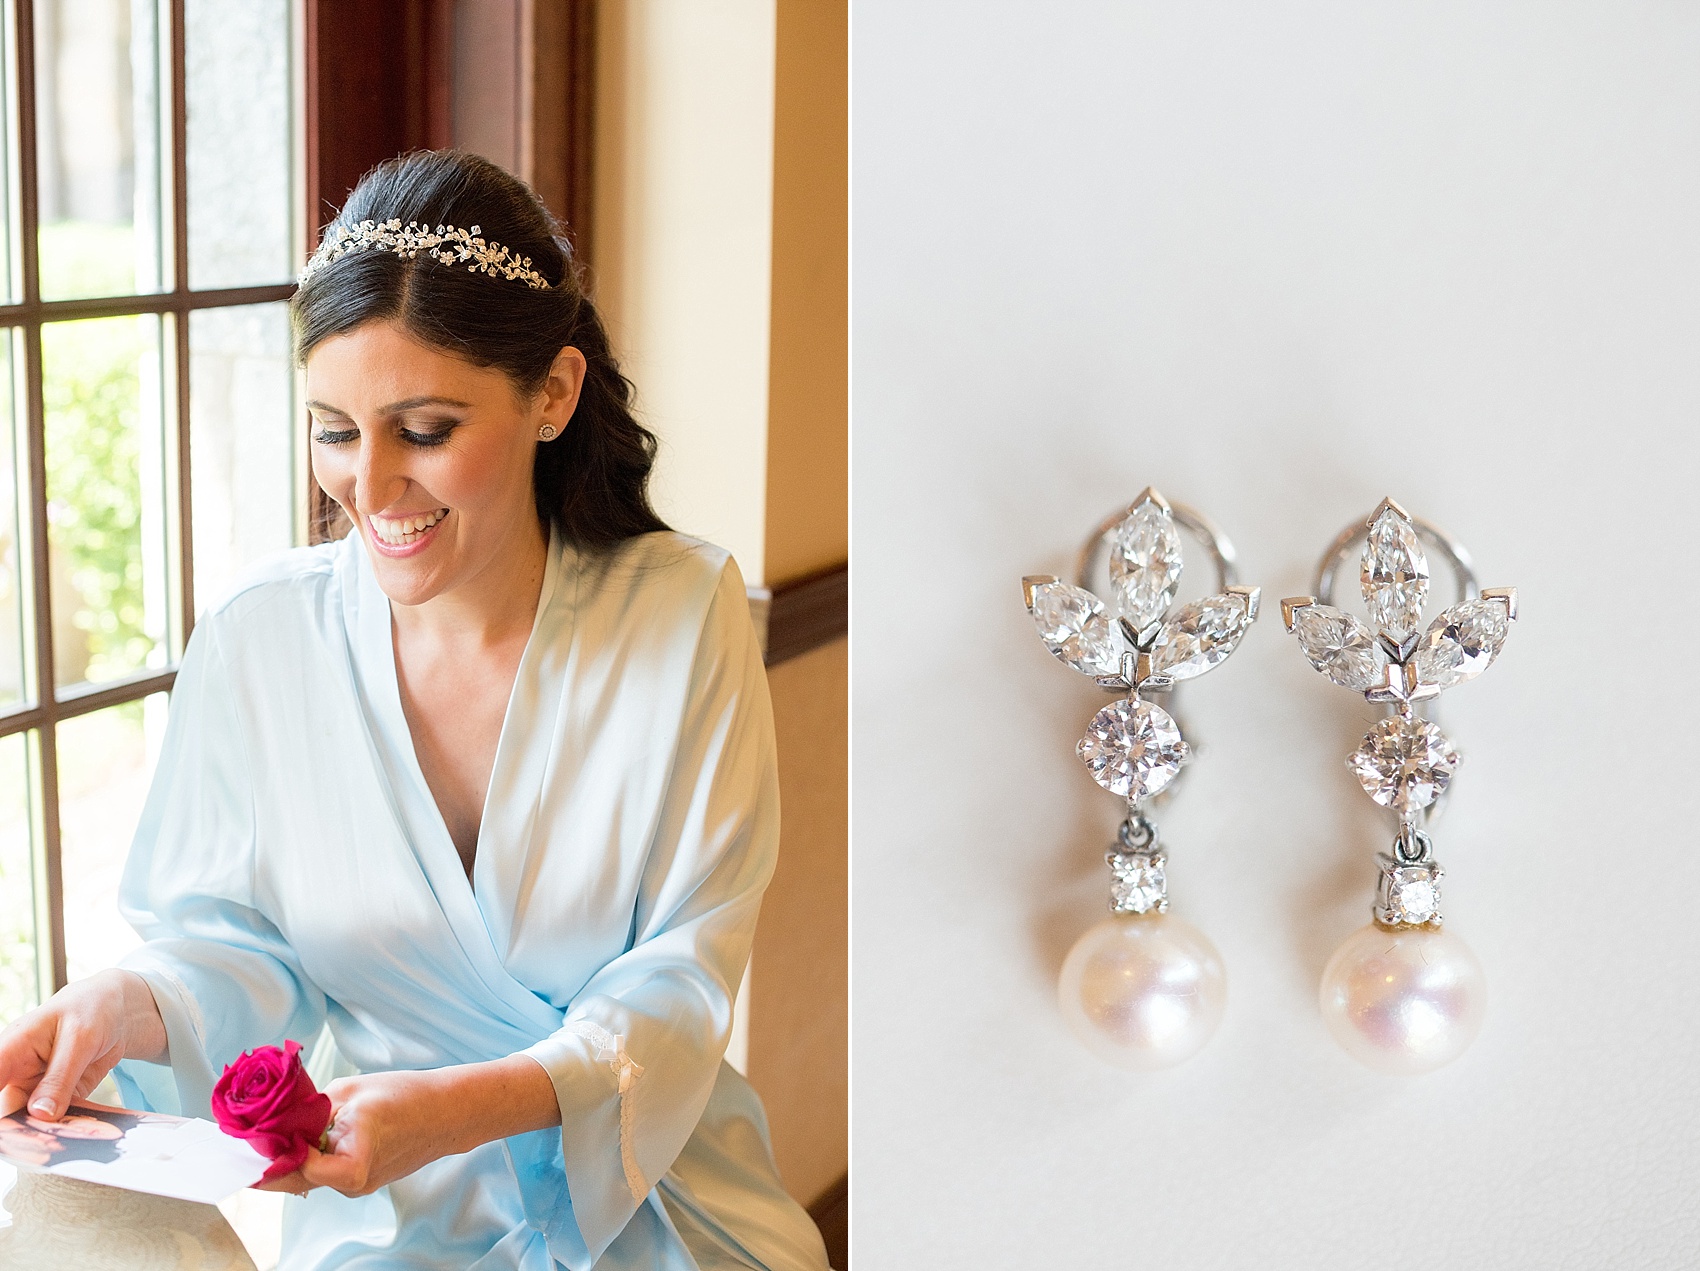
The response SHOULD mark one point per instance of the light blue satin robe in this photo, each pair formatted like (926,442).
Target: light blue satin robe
(291,870)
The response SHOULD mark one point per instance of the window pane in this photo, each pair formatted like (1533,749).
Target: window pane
(13,568)
(106,760)
(11,285)
(20,977)
(106,496)
(97,146)
(237,81)
(242,440)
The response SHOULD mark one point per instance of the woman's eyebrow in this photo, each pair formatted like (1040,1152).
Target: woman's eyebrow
(394,408)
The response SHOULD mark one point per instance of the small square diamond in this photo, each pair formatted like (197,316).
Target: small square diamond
(1137,882)
(1409,894)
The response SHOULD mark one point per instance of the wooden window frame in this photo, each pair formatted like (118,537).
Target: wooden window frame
(53,706)
(388,66)
(373,80)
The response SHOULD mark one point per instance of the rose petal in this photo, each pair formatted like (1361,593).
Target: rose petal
(267,1098)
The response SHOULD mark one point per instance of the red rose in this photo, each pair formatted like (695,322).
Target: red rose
(267,1098)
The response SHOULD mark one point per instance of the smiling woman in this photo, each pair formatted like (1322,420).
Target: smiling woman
(486,788)
(592,484)
(439,484)
(451,467)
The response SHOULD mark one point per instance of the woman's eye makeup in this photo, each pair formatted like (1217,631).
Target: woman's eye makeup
(431,433)
(434,433)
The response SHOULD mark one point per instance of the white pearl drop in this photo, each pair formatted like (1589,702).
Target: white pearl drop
(1143,990)
(1404,1001)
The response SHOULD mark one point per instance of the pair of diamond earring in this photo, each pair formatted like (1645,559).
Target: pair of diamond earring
(1146,990)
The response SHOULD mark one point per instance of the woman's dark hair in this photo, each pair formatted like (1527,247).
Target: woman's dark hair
(592,481)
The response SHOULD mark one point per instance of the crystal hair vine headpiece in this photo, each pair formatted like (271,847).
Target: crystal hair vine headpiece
(446,244)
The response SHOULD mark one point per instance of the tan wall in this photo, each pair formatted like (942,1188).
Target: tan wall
(799,991)
(808,385)
(683,208)
(799,995)
(721,261)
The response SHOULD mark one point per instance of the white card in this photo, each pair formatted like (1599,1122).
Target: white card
(185,1158)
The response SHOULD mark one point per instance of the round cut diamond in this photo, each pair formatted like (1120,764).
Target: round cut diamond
(1404,763)
(1133,749)
(1415,899)
(1137,882)
(1409,894)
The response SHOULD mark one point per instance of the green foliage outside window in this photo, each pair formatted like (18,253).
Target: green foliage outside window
(91,390)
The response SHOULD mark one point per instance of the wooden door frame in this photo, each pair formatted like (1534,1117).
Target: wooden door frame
(380,82)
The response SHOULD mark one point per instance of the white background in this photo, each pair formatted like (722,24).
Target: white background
(1279,260)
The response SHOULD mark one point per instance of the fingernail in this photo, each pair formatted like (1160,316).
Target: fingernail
(42,1109)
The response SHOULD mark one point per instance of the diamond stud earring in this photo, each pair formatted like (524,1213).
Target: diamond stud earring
(1403,995)
(1141,989)
(546,433)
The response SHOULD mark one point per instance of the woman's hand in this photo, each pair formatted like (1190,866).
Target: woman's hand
(386,1125)
(64,1048)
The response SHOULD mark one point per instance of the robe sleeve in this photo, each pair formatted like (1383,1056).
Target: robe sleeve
(640,1047)
(223,976)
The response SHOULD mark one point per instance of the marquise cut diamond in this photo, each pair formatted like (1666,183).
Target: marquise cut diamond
(1394,573)
(1138,882)
(1339,646)
(1074,626)
(1463,642)
(1133,749)
(1145,563)
(1201,634)
(1404,763)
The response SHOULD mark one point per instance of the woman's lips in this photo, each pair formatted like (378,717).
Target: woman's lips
(404,535)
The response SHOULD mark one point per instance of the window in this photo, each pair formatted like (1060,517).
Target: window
(148,448)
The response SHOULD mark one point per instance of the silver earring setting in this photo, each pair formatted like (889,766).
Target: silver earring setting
(546,433)
(1141,989)
(1403,995)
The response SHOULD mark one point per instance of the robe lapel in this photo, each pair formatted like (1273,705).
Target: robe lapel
(504,868)
(415,809)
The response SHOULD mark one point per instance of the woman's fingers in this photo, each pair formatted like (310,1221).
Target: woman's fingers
(62,1049)
(339,1092)
(294,1184)
(24,1050)
(74,1050)
(346,1167)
